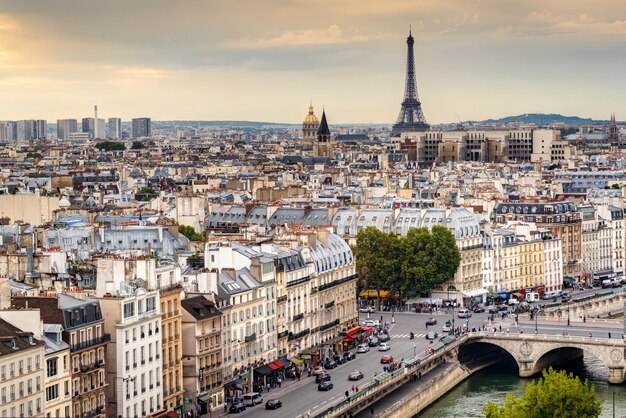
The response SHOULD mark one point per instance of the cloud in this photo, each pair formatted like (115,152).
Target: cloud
(582,23)
(142,72)
(331,35)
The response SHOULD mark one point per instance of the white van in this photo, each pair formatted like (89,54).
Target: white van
(464,313)
(532,297)
(253,398)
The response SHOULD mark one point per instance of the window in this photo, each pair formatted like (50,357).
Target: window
(51,367)
(150,304)
(52,392)
(129,309)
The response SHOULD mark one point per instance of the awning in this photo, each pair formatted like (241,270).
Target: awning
(297,361)
(285,361)
(475,293)
(172,414)
(275,365)
(263,370)
(353,331)
(366,329)
(204,398)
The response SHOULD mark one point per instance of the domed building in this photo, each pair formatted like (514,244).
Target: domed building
(310,125)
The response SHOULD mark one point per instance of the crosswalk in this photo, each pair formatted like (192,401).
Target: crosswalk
(406,335)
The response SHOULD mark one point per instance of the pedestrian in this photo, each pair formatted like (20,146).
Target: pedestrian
(356,389)
(372,412)
(609,335)
(226,406)
(280,381)
(500,328)
(347,394)
(353,389)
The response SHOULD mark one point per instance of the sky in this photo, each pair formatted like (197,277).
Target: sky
(263,60)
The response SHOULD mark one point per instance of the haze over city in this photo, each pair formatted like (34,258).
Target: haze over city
(263,60)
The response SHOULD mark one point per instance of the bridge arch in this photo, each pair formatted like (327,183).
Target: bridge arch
(533,353)
(478,354)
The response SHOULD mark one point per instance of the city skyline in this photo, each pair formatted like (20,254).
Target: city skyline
(208,61)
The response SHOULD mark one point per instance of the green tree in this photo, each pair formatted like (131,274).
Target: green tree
(190,233)
(138,145)
(555,395)
(370,253)
(110,146)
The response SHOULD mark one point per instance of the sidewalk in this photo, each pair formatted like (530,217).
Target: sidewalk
(286,387)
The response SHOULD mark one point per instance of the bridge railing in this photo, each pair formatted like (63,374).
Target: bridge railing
(618,342)
(607,294)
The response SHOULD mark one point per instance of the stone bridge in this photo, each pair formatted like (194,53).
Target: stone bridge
(589,306)
(533,353)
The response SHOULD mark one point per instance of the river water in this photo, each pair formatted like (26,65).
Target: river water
(468,398)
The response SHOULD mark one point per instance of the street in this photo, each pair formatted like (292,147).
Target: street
(303,396)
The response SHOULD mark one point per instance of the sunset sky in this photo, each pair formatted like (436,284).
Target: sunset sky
(264,59)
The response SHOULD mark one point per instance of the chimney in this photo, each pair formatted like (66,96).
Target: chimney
(95,122)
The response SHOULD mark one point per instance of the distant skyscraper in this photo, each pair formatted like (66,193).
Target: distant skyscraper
(310,126)
(89,127)
(141,127)
(411,118)
(65,127)
(8,131)
(31,129)
(40,129)
(115,128)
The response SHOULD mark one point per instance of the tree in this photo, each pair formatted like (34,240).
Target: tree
(110,146)
(190,233)
(138,145)
(556,394)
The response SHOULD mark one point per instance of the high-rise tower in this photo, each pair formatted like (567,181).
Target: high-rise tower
(411,117)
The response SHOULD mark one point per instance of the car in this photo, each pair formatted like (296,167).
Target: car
(372,341)
(478,309)
(431,335)
(325,386)
(383,338)
(362,348)
(447,327)
(384,347)
(503,307)
(366,309)
(322,378)
(349,355)
(319,370)
(355,375)
(236,407)
(431,321)
(371,323)
(386,359)
(273,404)
(330,364)
(252,399)
(339,359)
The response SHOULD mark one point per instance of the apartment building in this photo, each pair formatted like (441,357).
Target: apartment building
(202,352)
(134,366)
(172,346)
(21,373)
(83,330)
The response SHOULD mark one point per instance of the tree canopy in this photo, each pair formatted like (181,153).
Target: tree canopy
(138,145)
(555,395)
(190,233)
(110,146)
(415,263)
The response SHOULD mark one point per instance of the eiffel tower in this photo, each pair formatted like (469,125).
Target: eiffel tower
(411,117)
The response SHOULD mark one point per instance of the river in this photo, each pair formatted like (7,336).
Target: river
(468,398)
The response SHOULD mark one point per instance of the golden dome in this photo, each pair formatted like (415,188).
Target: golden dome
(311,118)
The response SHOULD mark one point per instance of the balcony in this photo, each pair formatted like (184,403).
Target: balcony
(298,317)
(91,343)
(282,299)
(329,304)
(299,335)
(283,334)
(250,338)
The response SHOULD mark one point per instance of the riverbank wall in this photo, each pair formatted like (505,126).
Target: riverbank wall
(424,395)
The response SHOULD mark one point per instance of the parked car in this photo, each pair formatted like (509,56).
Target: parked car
(339,359)
(384,347)
(386,359)
(478,309)
(431,335)
(322,378)
(330,364)
(362,348)
(371,323)
(447,327)
(366,309)
(431,321)
(355,375)
(349,355)
(236,407)
(273,404)
(252,399)
(319,370)
(325,386)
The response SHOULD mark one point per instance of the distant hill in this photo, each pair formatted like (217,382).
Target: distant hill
(542,119)
(221,123)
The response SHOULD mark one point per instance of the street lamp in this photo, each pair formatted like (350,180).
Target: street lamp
(536,314)
(414,350)
(568,323)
